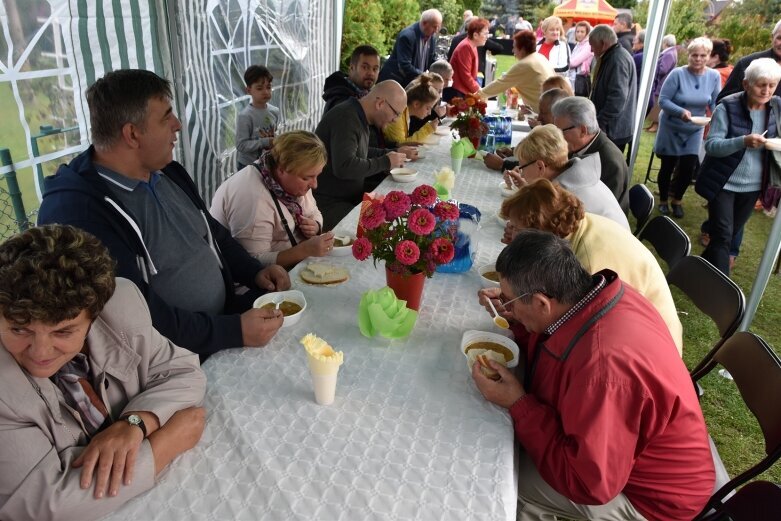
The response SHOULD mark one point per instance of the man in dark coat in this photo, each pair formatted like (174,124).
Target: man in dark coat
(362,75)
(413,51)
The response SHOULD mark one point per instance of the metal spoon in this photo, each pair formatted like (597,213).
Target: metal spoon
(498,320)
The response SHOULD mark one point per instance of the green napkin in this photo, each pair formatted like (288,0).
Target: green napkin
(461,149)
(380,312)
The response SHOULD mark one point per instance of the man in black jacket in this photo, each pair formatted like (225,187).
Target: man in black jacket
(622,25)
(128,192)
(735,81)
(363,72)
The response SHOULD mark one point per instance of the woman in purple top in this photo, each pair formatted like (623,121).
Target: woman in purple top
(687,92)
(668,58)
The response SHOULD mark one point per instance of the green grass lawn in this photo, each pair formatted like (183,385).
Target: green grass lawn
(732,426)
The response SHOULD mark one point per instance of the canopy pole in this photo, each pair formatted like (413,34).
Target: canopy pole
(763,272)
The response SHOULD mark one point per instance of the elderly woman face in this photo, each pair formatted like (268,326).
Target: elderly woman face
(698,59)
(42,349)
(760,91)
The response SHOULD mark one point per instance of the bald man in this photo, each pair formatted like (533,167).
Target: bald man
(345,131)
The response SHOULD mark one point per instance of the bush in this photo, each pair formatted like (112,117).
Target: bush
(363,24)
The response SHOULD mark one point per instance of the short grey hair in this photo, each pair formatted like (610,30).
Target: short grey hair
(430,15)
(641,36)
(700,43)
(441,67)
(777,27)
(763,69)
(537,261)
(579,110)
(669,40)
(551,96)
(625,18)
(603,33)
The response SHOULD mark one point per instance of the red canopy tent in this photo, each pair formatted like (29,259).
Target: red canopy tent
(593,11)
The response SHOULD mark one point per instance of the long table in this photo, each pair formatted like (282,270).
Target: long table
(408,437)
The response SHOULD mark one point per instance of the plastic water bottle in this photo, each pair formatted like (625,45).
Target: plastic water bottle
(501,102)
(490,142)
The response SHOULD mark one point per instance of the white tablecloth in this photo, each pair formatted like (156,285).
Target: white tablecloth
(408,437)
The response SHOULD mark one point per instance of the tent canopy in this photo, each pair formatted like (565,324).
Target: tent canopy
(593,11)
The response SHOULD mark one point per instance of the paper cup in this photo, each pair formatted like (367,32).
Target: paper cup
(456,165)
(325,388)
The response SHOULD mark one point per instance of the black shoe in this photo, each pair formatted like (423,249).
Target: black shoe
(677,211)
(664,209)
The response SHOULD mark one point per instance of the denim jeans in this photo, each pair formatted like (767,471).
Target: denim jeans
(727,213)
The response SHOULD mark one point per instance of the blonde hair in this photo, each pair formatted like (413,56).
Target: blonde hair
(546,143)
(551,22)
(700,43)
(298,150)
(421,90)
(545,206)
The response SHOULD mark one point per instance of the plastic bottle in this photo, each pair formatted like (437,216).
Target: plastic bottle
(501,101)
(490,142)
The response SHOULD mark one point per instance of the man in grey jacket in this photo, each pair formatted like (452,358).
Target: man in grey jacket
(614,90)
(345,131)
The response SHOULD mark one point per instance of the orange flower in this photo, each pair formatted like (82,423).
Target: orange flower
(470,101)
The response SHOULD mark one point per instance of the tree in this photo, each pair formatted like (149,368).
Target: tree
(398,14)
(686,21)
(452,12)
(747,25)
(363,24)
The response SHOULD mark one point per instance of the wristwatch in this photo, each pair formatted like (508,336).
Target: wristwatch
(134,419)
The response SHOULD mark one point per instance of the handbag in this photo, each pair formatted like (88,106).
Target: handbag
(582,85)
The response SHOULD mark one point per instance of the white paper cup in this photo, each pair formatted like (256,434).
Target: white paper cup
(325,388)
(456,165)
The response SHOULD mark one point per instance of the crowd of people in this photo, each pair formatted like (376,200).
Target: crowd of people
(130,277)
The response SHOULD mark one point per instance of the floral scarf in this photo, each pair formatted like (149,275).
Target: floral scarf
(264,166)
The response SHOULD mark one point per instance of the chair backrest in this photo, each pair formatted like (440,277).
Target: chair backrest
(714,294)
(756,371)
(641,204)
(668,239)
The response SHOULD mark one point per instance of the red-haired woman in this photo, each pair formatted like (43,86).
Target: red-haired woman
(464,60)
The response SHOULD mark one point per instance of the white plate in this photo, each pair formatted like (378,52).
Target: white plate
(292,295)
(442,131)
(773,143)
(700,121)
(507,192)
(421,154)
(472,336)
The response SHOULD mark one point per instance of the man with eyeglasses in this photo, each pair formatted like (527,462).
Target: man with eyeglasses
(577,119)
(605,412)
(345,130)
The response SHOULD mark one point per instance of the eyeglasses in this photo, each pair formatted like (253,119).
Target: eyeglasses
(520,168)
(568,128)
(395,112)
(507,303)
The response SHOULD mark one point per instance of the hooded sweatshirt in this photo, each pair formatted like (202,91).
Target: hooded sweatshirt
(581,177)
(77,195)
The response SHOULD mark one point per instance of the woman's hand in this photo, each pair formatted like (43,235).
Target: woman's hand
(509,233)
(319,245)
(110,458)
(514,178)
(754,140)
(686,116)
(309,227)
(441,111)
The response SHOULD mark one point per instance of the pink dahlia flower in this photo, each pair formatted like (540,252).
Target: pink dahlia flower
(421,222)
(373,216)
(407,253)
(362,248)
(396,204)
(442,250)
(446,211)
(424,195)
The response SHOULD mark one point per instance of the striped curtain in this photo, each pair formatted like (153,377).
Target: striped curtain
(298,40)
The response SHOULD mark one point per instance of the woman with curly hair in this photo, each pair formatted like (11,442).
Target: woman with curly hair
(598,242)
(94,402)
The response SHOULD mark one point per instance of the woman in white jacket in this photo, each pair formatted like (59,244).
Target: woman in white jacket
(553,46)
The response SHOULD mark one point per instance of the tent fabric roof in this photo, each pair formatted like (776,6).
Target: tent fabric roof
(591,10)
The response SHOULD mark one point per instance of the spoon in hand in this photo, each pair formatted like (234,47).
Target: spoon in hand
(277,300)
(498,320)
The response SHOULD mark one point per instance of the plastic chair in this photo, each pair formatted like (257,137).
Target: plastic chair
(756,370)
(668,239)
(641,204)
(714,294)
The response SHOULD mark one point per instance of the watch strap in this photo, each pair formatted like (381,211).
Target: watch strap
(134,419)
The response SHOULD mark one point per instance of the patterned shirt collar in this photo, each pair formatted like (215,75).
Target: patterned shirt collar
(600,283)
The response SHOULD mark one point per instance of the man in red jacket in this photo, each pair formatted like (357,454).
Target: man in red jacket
(607,414)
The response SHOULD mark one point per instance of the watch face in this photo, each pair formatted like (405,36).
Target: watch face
(134,419)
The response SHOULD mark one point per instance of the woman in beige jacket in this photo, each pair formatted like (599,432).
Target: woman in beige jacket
(94,402)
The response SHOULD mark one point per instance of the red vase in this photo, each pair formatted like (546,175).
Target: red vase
(407,287)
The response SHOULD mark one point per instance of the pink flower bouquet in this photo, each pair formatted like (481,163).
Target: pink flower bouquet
(410,232)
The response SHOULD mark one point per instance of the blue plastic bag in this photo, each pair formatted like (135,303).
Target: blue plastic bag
(465,239)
